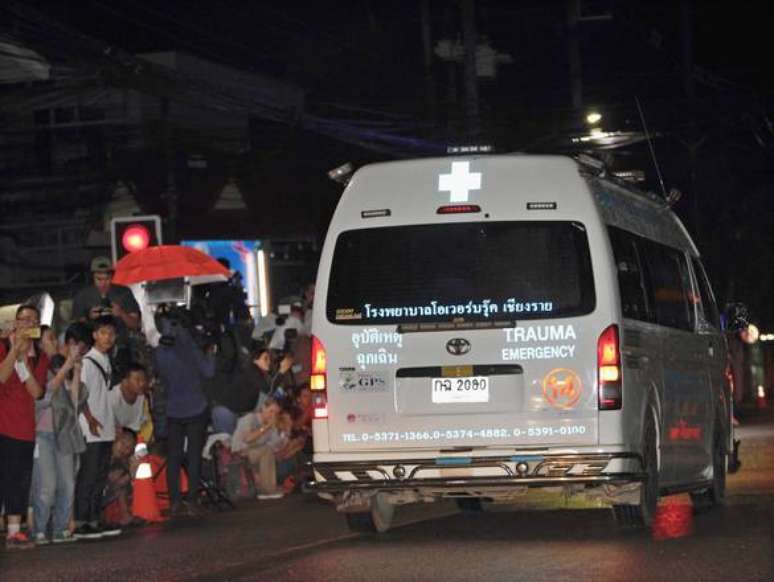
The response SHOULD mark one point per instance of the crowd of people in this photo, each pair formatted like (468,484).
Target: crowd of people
(75,402)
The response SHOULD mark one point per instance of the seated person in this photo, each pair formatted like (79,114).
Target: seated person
(118,493)
(241,392)
(256,437)
(289,454)
(304,403)
(128,398)
(283,383)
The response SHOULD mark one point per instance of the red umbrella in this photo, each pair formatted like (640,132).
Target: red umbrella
(169,262)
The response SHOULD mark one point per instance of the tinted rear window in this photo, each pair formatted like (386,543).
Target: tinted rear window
(463,272)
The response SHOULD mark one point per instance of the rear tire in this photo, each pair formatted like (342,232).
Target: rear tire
(715,495)
(377,519)
(641,515)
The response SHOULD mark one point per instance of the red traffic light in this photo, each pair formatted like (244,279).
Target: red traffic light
(130,234)
(135,238)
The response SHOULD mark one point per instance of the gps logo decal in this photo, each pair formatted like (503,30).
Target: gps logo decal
(351,381)
(562,388)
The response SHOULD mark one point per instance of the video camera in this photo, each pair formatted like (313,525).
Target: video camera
(169,317)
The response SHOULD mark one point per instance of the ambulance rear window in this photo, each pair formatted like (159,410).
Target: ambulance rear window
(463,272)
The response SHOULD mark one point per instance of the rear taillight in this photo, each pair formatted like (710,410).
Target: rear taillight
(318,379)
(609,369)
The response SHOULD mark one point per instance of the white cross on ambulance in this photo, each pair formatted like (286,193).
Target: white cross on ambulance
(460,182)
(484,325)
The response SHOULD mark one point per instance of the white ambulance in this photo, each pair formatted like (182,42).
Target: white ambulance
(485,325)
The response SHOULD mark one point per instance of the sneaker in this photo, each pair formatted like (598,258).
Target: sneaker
(41,539)
(63,537)
(111,530)
(18,541)
(87,532)
(266,496)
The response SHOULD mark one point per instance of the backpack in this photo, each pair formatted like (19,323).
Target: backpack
(234,474)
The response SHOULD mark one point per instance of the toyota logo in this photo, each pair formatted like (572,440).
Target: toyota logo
(458,346)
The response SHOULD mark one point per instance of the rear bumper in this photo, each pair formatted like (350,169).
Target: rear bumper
(449,474)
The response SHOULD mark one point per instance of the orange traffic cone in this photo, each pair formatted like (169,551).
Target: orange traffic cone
(144,503)
(674,518)
(761,401)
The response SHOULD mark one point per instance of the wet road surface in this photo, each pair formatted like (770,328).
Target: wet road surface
(302,538)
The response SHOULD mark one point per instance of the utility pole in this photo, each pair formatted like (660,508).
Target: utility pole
(170,194)
(573,53)
(694,142)
(427,45)
(470,42)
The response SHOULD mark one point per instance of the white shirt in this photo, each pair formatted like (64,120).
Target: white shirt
(98,400)
(131,416)
(247,424)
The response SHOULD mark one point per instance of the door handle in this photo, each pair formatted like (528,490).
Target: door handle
(711,350)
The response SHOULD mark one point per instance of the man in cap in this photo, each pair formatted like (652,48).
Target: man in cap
(103,297)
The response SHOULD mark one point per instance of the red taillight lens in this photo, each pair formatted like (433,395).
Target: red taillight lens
(609,369)
(458,209)
(318,379)
(319,360)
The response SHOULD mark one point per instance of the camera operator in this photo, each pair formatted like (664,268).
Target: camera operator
(103,297)
(292,327)
(183,366)
(227,300)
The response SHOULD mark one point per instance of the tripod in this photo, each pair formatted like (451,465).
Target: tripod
(208,490)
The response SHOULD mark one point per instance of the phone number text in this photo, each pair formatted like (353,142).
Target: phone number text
(465,434)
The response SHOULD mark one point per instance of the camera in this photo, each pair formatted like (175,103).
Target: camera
(104,307)
(169,317)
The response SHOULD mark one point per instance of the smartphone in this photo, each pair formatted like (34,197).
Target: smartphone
(32,332)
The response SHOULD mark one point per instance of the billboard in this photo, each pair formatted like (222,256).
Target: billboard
(247,260)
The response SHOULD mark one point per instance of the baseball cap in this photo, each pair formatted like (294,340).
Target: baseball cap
(101,264)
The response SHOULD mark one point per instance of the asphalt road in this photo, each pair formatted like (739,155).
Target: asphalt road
(301,538)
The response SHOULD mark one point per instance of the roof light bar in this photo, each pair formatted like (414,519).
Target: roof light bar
(470,149)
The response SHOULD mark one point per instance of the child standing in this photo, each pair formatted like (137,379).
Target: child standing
(98,425)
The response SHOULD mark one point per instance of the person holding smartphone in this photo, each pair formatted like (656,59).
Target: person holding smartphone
(54,466)
(23,371)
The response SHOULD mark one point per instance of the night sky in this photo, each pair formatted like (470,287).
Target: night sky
(363,59)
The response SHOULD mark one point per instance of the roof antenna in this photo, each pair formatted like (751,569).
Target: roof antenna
(652,150)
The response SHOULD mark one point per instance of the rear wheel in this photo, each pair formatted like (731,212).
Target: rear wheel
(377,519)
(715,495)
(642,514)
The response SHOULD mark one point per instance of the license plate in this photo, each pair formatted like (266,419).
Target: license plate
(465,389)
